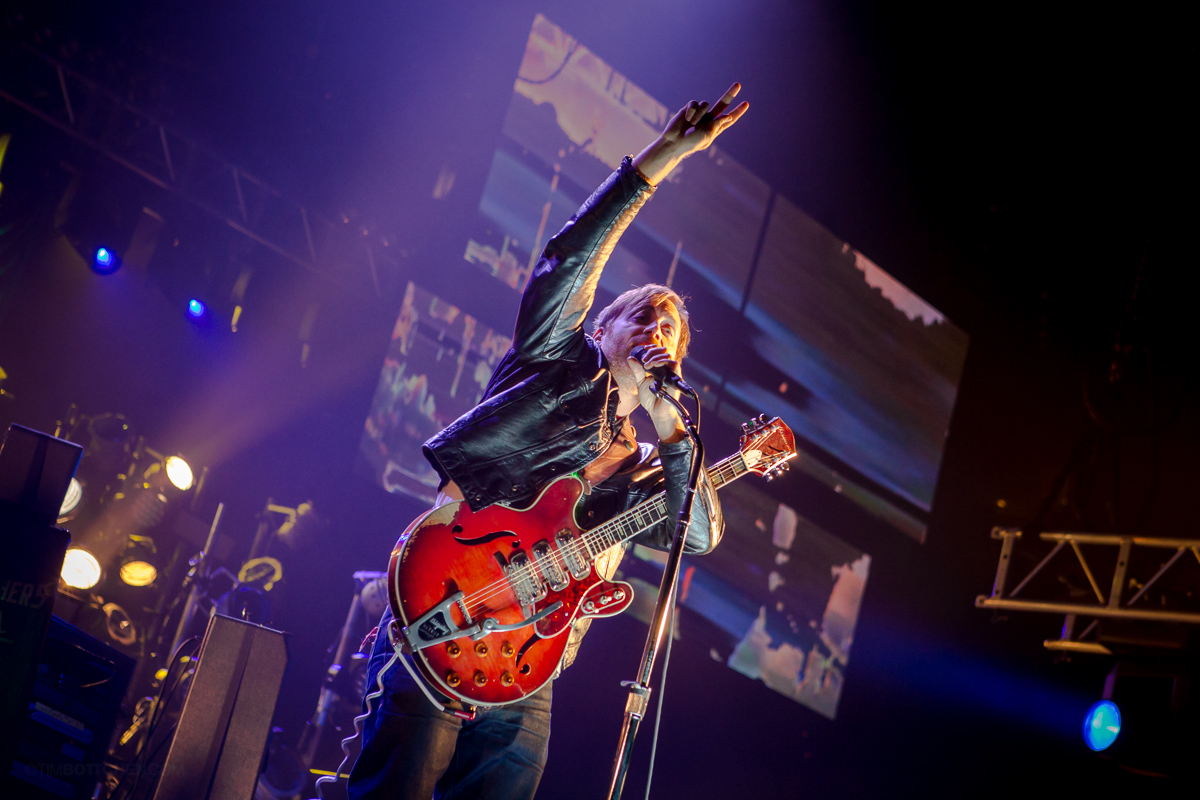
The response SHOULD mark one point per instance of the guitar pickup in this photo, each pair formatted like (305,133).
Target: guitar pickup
(523,578)
(546,560)
(568,549)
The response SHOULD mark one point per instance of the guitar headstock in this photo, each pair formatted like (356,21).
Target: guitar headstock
(767,446)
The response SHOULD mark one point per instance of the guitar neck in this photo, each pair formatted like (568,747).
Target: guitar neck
(645,515)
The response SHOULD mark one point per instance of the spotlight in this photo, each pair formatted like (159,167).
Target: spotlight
(1101,725)
(80,569)
(71,501)
(179,472)
(120,625)
(167,477)
(196,308)
(137,562)
(105,261)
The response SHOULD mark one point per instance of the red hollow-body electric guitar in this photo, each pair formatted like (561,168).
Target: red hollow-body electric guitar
(486,599)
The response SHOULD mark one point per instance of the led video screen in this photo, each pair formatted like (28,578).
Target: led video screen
(793,322)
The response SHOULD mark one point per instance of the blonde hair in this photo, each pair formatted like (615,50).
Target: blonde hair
(652,294)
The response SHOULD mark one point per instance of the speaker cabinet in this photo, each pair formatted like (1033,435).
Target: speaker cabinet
(223,729)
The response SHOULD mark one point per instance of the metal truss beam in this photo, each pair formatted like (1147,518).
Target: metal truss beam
(105,122)
(1109,606)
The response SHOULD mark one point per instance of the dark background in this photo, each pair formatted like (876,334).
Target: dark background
(1019,167)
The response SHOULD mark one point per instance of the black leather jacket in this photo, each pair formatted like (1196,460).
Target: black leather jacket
(551,406)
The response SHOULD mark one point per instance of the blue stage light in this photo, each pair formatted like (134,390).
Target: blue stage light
(1101,725)
(105,261)
(196,308)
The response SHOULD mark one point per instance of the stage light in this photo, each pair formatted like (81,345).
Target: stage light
(71,501)
(1101,725)
(80,569)
(105,261)
(196,308)
(120,624)
(137,562)
(179,473)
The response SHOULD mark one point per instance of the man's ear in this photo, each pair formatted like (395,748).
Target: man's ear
(598,335)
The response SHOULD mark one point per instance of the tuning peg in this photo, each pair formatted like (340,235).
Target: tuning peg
(745,427)
(784,467)
(762,419)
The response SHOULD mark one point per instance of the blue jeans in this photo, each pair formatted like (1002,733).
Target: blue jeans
(413,751)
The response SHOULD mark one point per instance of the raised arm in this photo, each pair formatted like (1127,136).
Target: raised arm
(563,284)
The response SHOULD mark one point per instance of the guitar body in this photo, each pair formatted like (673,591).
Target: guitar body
(454,552)
(486,599)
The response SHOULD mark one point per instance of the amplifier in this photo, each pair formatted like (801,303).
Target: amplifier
(77,692)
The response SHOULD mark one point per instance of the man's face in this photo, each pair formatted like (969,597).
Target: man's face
(649,325)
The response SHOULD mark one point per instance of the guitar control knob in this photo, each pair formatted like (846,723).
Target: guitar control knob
(481,648)
(619,595)
(506,679)
(452,678)
(507,649)
(453,650)
(589,606)
(480,678)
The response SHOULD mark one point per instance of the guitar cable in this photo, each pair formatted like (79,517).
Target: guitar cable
(359,721)
(375,695)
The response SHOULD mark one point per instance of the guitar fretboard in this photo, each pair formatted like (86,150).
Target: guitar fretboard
(649,513)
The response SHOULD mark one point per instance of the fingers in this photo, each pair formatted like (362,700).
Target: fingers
(716,120)
(698,114)
(653,356)
(639,372)
(733,116)
(725,100)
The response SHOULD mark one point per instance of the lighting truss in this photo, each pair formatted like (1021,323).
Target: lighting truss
(1111,607)
(96,117)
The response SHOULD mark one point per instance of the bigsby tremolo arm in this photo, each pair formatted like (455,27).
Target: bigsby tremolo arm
(437,620)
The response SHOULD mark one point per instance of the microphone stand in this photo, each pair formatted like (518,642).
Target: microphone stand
(639,690)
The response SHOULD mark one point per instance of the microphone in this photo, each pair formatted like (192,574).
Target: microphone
(663,374)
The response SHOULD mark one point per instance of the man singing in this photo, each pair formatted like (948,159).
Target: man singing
(558,403)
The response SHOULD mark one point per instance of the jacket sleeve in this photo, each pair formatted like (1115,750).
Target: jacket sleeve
(708,523)
(563,284)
